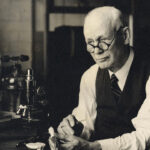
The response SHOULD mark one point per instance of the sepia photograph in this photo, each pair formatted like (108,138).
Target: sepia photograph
(74,75)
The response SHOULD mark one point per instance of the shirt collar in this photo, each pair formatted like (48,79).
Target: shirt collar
(122,73)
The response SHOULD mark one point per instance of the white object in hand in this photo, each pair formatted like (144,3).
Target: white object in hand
(37,145)
(52,139)
(51,131)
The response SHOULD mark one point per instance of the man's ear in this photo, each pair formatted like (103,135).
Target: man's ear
(126,35)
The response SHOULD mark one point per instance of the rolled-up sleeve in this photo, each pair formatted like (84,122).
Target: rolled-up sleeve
(138,139)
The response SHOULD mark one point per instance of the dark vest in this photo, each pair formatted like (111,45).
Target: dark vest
(114,119)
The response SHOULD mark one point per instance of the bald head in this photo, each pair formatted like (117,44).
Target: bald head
(106,17)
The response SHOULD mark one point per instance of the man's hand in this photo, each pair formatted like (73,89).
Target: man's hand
(70,126)
(71,142)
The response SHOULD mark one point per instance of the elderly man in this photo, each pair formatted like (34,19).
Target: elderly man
(114,101)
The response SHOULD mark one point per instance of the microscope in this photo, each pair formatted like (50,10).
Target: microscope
(33,99)
(27,96)
(32,111)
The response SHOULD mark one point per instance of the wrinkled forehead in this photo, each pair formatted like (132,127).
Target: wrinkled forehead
(101,23)
(98,26)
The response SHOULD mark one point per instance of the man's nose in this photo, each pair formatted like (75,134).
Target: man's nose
(97,49)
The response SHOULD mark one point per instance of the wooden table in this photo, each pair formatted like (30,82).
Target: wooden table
(14,132)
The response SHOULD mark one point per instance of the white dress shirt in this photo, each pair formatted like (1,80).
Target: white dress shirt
(86,111)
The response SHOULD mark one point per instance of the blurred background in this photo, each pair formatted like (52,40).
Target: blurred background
(46,35)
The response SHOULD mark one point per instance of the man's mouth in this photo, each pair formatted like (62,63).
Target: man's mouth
(102,59)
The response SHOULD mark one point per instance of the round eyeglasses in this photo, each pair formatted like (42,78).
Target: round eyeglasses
(101,44)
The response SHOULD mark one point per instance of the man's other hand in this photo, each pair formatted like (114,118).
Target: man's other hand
(70,126)
(71,142)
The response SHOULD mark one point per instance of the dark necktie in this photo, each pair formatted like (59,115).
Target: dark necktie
(115,88)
